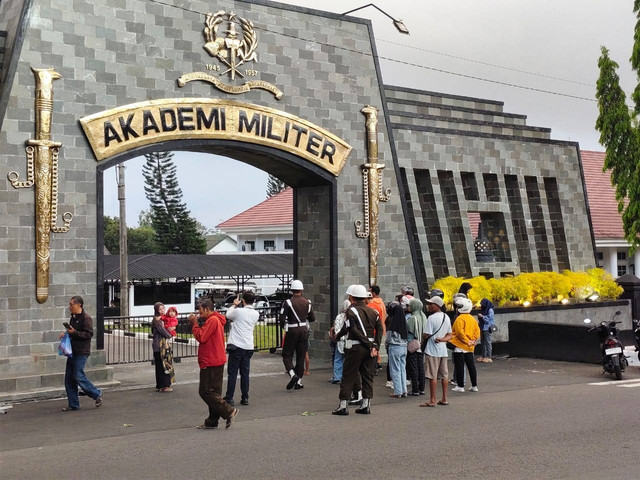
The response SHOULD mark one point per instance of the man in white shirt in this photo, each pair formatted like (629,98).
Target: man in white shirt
(240,345)
(437,331)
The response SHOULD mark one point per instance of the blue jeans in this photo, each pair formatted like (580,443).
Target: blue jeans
(74,377)
(338,363)
(486,344)
(398,368)
(239,359)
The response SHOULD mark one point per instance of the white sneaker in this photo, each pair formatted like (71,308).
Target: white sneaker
(472,389)
(408,382)
(457,389)
(389,384)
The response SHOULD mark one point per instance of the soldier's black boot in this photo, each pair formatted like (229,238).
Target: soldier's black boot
(365,409)
(342,409)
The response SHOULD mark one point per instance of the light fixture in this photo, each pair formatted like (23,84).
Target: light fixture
(526,304)
(564,301)
(400,26)
(593,297)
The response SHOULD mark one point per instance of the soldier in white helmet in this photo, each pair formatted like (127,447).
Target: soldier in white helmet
(295,315)
(361,323)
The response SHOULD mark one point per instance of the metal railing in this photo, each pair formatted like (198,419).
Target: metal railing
(129,339)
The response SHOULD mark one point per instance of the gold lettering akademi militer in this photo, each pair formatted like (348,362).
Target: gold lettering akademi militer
(132,126)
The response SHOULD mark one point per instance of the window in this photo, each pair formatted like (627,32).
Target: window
(269,245)
(622,256)
(249,246)
(622,269)
(601,256)
(288,244)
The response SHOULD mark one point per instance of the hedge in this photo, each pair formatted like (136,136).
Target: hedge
(537,288)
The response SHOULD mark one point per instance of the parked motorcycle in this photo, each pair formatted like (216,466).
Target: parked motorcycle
(636,332)
(613,358)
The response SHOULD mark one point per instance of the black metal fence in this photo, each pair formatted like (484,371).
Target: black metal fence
(129,339)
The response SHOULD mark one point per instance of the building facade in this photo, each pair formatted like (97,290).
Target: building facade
(307,105)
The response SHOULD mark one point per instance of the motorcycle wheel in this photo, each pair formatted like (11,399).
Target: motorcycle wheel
(618,371)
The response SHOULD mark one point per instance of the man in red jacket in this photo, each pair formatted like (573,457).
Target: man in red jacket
(209,333)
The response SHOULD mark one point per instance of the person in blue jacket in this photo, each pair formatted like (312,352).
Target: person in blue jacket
(486,325)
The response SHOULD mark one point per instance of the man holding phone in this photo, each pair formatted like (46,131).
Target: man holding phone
(80,330)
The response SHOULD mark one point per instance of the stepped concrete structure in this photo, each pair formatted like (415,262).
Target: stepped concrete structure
(295,94)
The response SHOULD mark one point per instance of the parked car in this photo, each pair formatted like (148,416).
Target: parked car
(277,299)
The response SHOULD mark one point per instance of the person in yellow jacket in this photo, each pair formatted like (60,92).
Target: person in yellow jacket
(466,333)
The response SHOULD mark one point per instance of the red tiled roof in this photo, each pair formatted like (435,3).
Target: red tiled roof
(276,210)
(607,222)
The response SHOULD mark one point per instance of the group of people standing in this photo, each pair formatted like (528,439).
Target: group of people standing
(417,344)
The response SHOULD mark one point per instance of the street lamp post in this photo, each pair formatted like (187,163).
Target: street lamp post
(400,26)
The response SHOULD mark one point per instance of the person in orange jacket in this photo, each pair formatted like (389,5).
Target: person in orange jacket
(378,305)
(466,333)
(209,332)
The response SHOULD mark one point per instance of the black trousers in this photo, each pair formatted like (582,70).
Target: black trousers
(211,392)
(460,360)
(415,367)
(163,380)
(357,360)
(239,359)
(295,343)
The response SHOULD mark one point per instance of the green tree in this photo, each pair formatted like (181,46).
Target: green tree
(176,231)
(140,240)
(620,136)
(144,218)
(274,186)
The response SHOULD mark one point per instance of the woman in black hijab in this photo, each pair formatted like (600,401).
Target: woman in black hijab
(396,343)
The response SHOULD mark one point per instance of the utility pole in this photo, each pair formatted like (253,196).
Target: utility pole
(124,267)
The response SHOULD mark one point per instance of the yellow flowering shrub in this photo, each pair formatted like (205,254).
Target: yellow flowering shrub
(537,287)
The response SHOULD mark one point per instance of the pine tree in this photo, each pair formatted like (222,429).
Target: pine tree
(274,186)
(176,230)
(620,135)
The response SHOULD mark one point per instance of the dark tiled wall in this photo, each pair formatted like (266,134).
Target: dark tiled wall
(469,186)
(491,187)
(557,224)
(414,230)
(518,222)
(314,253)
(537,221)
(454,221)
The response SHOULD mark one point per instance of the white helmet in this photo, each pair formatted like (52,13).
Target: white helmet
(358,291)
(297,285)
(349,290)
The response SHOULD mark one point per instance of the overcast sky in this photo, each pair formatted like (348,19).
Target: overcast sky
(551,38)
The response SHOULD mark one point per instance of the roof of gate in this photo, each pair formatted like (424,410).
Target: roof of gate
(157,266)
(276,210)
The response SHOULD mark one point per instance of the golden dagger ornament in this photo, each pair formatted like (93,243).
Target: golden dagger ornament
(42,170)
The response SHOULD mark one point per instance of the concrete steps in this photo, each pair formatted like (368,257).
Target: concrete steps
(46,393)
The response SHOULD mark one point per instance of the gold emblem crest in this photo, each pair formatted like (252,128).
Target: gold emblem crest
(237,47)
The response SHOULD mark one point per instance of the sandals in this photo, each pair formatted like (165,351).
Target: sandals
(166,389)
(393,395)
(440,402)
(206,427)
(427,404)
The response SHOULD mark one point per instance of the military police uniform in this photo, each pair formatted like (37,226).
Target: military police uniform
(364,332)
(295,316)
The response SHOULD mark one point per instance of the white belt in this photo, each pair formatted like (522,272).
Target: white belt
(291,325)
(358,342)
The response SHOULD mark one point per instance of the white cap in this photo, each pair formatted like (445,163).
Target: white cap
(358,291)
(437,300)
(297,285)
(349,290)
(465,305)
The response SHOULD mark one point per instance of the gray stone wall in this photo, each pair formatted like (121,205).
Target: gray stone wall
(563,315)
(542,212)
(116,52)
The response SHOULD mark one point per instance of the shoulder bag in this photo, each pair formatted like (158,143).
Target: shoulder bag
(425,340)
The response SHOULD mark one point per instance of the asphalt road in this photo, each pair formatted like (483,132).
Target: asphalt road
(531,419)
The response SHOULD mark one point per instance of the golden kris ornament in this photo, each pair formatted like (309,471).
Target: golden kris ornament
(372,190)
(42,169)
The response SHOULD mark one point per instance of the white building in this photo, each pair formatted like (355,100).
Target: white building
(221,243)
(612,249)
(265,227)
